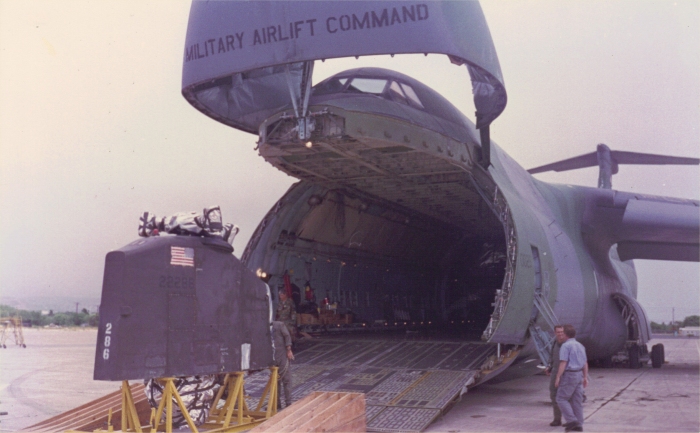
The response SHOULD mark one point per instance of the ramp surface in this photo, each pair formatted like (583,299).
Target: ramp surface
(406,384)
(93,415)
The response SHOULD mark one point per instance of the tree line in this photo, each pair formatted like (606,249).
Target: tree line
(84,318)
(36,318)
(670,327)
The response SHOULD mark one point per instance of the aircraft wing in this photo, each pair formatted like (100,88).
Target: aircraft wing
(622,157)
(617,157)
(660,230)
(643,227)
(581,161)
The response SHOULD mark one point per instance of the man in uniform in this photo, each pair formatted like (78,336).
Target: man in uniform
(552,370)
(572,377)
(282,356)
(287,313)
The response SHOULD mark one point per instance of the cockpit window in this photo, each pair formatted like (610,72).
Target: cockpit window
(396,93)
(387,89)
(331,86)
(408,90)
(367,85)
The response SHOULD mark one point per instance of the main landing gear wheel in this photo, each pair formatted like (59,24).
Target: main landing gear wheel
(657,355)
(633,355)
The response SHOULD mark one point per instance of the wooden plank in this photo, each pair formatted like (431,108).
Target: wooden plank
(304,404)
(357,424)
(267,425)
(320,412)
(73,412)
(64,421)
(348,408)
(331,403)
(93,415)
(300,408)
(321,402)
(98,418)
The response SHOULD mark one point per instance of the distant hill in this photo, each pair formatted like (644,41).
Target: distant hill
(56,303)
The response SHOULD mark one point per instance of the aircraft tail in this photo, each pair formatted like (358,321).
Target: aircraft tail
(609,160)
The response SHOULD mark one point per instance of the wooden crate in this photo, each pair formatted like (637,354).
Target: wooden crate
(307,319)
(336,319)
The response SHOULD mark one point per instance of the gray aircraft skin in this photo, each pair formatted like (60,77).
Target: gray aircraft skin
(405,209)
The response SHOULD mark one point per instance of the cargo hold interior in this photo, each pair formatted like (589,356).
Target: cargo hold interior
(386,264)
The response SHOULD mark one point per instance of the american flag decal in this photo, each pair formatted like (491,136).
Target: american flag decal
(180,256)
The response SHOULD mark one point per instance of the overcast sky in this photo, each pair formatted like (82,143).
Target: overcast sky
(94,131)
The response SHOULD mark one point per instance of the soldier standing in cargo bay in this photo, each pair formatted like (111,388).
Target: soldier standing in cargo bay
(283,356)
(287,314)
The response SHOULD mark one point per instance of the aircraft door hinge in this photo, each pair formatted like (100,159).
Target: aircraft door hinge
(305,126)
(306,87)
(300,99)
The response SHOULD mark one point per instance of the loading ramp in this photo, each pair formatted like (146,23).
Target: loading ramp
(95,414)
(407,384)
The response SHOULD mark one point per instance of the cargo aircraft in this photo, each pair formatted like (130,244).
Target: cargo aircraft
(406,213)
(412,203)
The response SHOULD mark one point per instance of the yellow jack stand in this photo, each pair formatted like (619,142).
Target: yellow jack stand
(166,402)
(221,418)
(130,418)
(233,414)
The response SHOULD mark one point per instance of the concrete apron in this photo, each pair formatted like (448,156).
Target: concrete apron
(618,400)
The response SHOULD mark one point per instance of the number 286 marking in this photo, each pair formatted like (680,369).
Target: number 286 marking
(107,341)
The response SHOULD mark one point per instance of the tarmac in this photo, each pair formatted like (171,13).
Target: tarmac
(54,374)
(618,399)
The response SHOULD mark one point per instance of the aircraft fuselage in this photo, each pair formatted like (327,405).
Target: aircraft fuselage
(396,220)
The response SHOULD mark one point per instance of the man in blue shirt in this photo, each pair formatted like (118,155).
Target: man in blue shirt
(572,377)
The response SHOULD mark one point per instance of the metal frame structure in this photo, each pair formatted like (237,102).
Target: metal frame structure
(221,418)
(228,414)
(15,323)
(498,205)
